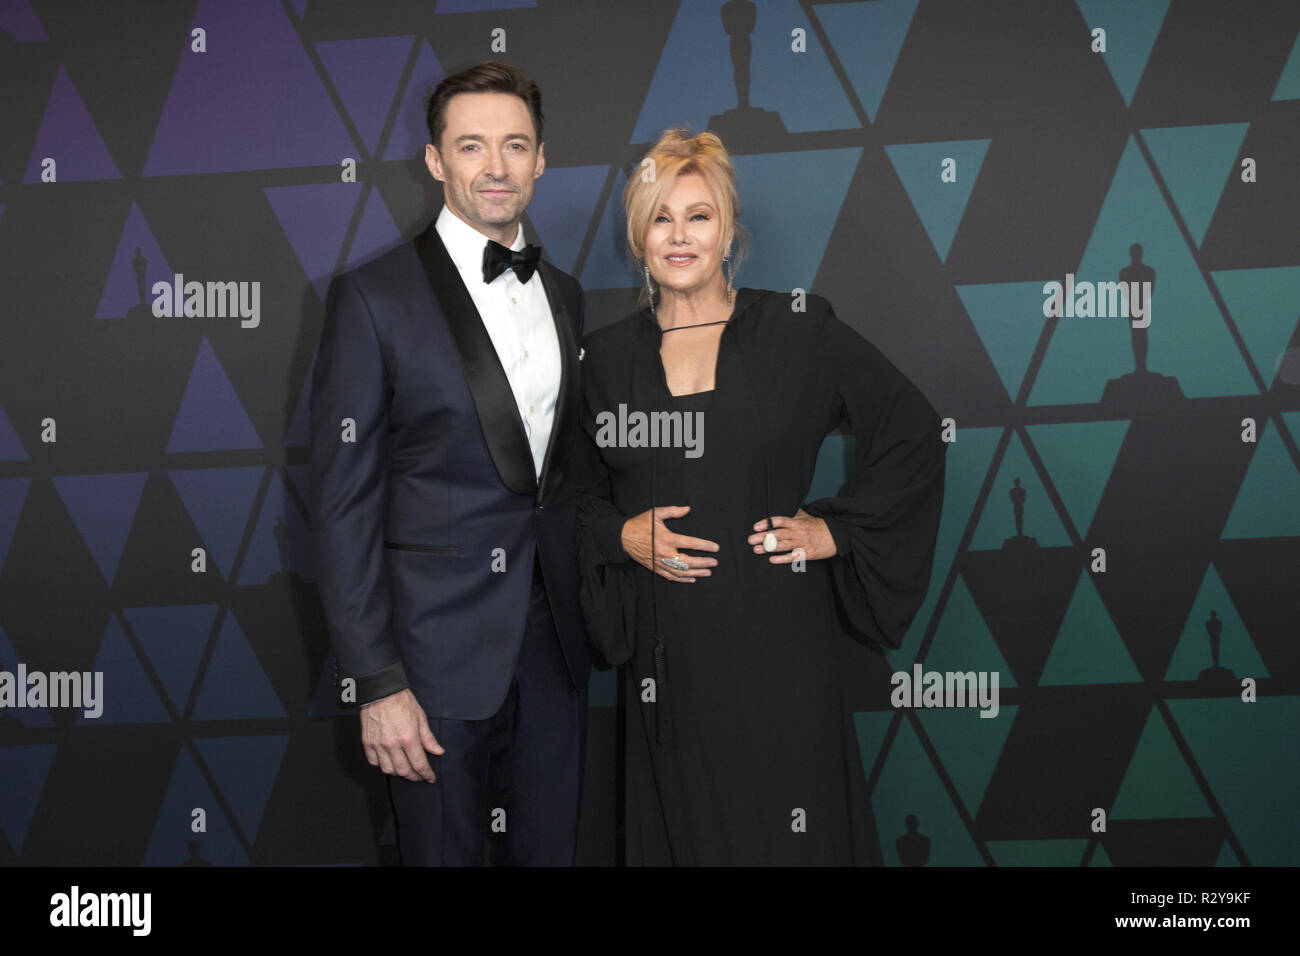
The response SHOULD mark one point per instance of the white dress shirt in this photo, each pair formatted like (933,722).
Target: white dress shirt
(518,319)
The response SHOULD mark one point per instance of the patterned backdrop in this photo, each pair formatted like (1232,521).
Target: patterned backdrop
(1118,546)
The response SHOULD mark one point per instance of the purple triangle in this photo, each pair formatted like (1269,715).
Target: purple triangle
(128,694)
(299,426)
(173,637)
(68,136)
(11,449)
(376,233)
(300,7)
(366,73)
(211,416)
(13,492)
(280,520)
(16,17)
(564,201)
(410,135)
(245,769)
(102,507)
(29,717)
(125,288)
(315,219)
(23,769)
(235,687)
(478,6)
(252,101)
(173,843)
(219,501)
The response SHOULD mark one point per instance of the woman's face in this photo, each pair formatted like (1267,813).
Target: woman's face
(683,246)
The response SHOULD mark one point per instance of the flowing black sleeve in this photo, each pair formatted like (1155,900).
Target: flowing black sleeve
(607,588)
(887,519)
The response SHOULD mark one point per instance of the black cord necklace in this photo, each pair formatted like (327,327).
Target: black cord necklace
(678,328)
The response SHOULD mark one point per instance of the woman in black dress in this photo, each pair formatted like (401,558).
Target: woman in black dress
(739,747)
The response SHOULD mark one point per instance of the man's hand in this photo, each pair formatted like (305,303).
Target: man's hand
(636,542)
(801,533)
(395,735)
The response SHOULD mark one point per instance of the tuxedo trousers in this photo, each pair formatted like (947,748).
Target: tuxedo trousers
(507,788)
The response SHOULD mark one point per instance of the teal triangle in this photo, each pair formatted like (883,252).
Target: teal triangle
(1009,319)
(967,465)
(1131,29)
(1265,305)
(1226,856)
(602,688)
(1237,651)
(834,468)
(909,785)
(871,726)
(797,196)
(608,264)
(1158,784)
(1196,163)
(1268,504)
(1088,649)
(1187,338)
(968,746)
(1100,857)
(1288,84)
(997,523)
(1248,755)
(963,642)
(1037,852)
(938,204)
(1079,457)
(867,38)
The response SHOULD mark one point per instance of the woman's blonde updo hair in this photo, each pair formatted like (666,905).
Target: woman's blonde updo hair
(674,154)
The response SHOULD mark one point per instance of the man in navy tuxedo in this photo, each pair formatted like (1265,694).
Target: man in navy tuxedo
(444,408)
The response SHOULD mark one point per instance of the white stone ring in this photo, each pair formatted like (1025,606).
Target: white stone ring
(769,542)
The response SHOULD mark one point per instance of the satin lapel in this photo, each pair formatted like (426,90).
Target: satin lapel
(568,373)
(494,400)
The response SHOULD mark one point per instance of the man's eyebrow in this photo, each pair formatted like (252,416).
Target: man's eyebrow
(479,137)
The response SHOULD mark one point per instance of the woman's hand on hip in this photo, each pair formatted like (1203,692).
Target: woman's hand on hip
(667,544)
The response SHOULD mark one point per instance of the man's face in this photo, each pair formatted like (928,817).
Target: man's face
(487,160)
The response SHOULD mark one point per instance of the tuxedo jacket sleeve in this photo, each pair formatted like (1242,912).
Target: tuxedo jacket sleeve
(351,395)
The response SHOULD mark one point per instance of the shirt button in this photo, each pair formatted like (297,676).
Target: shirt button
(514,300)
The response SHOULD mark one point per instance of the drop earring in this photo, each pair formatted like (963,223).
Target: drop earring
(649,288)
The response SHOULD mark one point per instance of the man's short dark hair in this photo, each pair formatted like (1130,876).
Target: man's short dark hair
(490,77)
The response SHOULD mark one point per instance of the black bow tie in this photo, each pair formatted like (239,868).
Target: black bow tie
(497,258)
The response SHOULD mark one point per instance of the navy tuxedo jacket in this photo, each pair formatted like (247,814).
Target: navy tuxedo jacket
(409,517)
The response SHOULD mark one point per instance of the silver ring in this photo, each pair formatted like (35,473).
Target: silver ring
(676,563)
